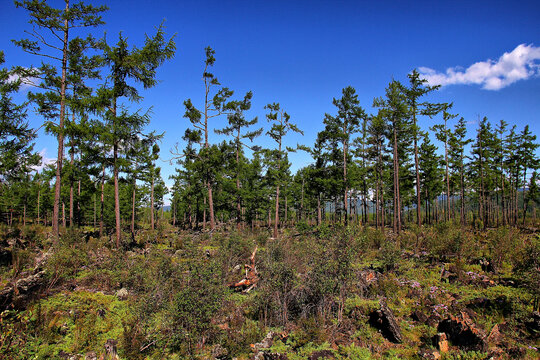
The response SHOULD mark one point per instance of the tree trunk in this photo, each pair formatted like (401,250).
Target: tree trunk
(102,204)
(503,199)
(286,214)
(417,169)
(57,185)
(38,199)
(204,213)
(152,224)
(481,213)
(71,202)
(276,222)
(238,199)
(346,190)
(377,205)
(133,206)
(397,205)
(95,211)
(211,207)
(78,215)
(319,213)
(116,190)
(447,174)
(206,145)
(302,200)
(524,202)
(462,209)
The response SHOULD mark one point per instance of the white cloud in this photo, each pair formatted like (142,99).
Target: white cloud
(26,82)
(519,64)
(44,160)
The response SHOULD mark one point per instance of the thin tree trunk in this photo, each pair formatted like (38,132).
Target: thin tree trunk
(78,216)
(319,212)
(302,200)
(204,213)
(38,200)
(133,205)
(94,211)
(524,202)
(116,185)
(346,190)
(286,215)
(383,215)
(238,199)
(481,213)
(102,204)
(462,210)
(57,185)
(277,195)
(397,205)
(504,219)
(206,145)
(417,170)
(276,222)
(211,207)
(447,174)
(72,161)
(377,205)
(152,224)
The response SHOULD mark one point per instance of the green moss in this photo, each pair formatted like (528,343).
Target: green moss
(361,305)
(353,352)
(78,322)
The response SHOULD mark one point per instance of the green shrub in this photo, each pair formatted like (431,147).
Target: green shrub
(527,267)
(353,352)
(195,305)
(503,244)
(389,254)
(78,322)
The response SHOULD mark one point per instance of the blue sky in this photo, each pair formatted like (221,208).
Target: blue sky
(302,53)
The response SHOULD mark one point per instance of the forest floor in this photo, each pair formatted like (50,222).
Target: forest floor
(439,292)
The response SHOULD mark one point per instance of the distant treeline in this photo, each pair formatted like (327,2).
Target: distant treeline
(379,169)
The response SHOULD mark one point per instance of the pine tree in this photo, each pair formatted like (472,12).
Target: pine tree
(125,66)
(442,132)
(47,20)
(419,88)
(430,173)
(153,175)
(482,167)
(277,159)
(394,110)
(500,155)
(511,163)
(16,147)
(238,122)
(527,158)
(377,154)
(213,107)
(457,142)
(533,194)
(341,128)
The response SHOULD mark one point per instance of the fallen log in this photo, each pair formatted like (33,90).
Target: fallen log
(251,277)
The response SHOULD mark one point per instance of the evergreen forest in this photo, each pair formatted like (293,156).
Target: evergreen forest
(395,241)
